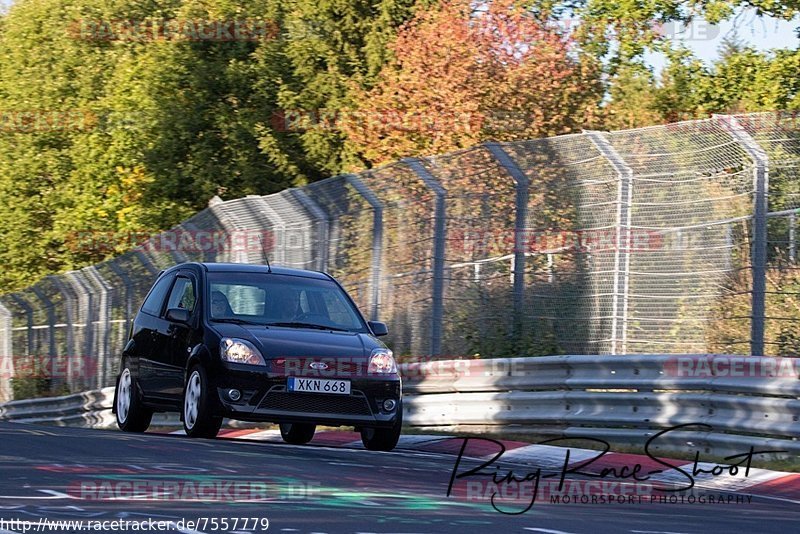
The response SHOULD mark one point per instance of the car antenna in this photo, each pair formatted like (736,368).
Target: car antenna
(269,269)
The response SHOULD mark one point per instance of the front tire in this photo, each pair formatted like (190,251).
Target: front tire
(132,414)
(383,439)
(198,418)
(297,433)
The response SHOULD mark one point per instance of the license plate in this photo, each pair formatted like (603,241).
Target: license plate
(318,385)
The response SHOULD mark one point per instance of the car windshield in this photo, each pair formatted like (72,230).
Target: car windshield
(281,300)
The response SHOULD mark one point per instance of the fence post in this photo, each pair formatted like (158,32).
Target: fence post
(321,220)
(104,318)
(22,303)
(439,215)
(51,326)
(272,215)
(86,303)
(377,242)
(69,309)
(148,264)
(622,259)
(759,247)
(792,243)
(127,286)
(6,356)
(177,254)
(521,216)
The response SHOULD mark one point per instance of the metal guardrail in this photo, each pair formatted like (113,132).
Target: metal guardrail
(625,400)
(90,409)
(747,401)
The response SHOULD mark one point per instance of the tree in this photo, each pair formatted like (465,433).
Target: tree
(632,99)
(170,122)
(621,31)
(743,79)
(327,46)
(462,75)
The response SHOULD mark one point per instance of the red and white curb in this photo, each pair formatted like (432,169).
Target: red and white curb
(761,482)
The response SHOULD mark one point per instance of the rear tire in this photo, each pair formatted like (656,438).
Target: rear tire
(199,420)
(132,414)
(383,439)
(297,433)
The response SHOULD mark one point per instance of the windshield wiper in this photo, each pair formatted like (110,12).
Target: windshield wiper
(294,324)
(236,320)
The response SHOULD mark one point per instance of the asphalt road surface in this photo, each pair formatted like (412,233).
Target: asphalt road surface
(93,476)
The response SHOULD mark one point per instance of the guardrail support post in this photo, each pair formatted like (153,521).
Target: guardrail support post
(437,312)
(377,242)
(622,258)
(759,246)
(521,215)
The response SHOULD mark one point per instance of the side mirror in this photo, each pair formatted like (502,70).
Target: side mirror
(178,315)
(379,329)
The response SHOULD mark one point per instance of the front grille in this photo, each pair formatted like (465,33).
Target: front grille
(315,403)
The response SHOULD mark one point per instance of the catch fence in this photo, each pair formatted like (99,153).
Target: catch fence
(669,239)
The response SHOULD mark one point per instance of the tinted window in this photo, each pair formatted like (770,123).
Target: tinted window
(152,304)
(273,298)
(182,294)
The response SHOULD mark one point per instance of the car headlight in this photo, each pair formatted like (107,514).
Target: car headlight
(381,361)
(240,351)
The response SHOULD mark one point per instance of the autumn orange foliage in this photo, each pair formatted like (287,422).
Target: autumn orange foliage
(462,75)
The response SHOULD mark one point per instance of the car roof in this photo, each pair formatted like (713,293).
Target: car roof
(256,268)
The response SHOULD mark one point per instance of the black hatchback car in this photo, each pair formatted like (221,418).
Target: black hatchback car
(258,343)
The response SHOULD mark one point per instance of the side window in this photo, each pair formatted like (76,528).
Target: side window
(152,304)
(182,295)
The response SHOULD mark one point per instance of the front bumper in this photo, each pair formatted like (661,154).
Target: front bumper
(264,398)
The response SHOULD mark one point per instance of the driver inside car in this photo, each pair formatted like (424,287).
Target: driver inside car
(282,305)
(220,307)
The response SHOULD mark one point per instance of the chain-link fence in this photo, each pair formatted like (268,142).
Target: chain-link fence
(669,239)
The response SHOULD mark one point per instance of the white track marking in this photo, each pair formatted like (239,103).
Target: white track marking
(545,455)
(547,530)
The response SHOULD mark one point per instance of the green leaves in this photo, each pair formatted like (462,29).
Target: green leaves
(173,120)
